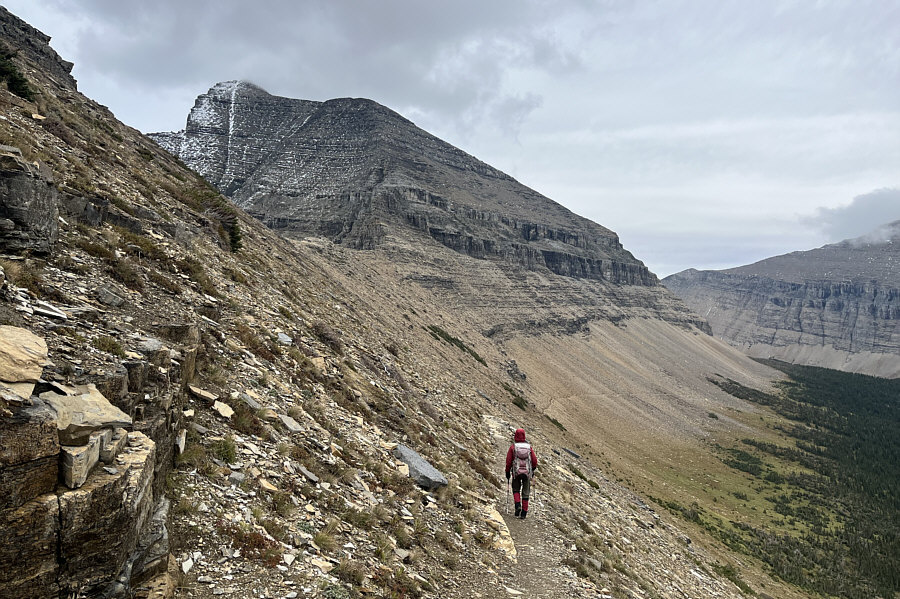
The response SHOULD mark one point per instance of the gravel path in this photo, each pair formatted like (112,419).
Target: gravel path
(541,548)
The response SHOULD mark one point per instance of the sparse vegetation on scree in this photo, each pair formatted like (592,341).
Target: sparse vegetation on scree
(832,488)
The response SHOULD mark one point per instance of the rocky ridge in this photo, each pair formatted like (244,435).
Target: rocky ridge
(268,385)
(837,306)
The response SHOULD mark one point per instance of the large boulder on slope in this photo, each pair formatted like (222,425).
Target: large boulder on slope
(424,474)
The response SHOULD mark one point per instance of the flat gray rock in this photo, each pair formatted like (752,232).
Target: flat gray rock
(424,474)
(290,424)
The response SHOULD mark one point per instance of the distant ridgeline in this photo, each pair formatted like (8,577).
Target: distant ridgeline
(836,485)
(837,306)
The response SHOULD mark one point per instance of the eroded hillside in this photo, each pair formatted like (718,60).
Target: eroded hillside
(265,385)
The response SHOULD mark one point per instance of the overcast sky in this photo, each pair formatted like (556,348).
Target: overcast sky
(707,134)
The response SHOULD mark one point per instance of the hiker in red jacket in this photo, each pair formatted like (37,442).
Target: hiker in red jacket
(521,462)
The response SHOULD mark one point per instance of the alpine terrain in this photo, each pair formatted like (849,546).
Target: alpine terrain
(295,371)
(837,306)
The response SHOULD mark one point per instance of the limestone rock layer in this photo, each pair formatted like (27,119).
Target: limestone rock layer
(837,306)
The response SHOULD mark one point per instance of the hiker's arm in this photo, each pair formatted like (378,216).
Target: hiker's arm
(509,460)
(534,463)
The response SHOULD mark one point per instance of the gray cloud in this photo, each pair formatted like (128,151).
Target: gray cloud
(866,216)
(431,58)
(686,124)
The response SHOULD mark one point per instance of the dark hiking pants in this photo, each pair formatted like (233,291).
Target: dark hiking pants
(523,482)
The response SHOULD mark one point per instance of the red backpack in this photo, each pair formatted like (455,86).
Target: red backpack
(522,463)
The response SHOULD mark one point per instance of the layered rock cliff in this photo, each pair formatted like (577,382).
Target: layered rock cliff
(837,306)
(356,172)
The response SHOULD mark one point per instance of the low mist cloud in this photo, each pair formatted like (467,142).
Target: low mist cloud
(867,215)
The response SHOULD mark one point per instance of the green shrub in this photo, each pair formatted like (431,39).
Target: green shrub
(96,250)
(140,245)
(224,449)
(109,345)
(127,273)
(350,571)
(251,543)
(246,421)
(10,74)
(194,455)
(556,423)
(328,336)
(442,335)
(194,269)
(731,573)
(164,282)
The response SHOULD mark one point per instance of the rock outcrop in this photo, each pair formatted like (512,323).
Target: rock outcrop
(34,46)
(80,536)
(356,172)
(29,210)
(837,306)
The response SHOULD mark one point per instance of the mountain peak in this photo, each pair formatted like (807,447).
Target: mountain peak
(360,174)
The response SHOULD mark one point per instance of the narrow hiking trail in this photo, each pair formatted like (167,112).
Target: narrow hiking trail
(538,570)
(540,547)
(624,548)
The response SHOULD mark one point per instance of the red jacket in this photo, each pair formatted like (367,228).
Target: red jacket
(511,453)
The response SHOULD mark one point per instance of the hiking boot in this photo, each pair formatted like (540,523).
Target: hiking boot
(518,509)
(524,513)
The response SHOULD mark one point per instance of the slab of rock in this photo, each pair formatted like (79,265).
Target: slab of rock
(29,450)
(185,334)
(22,355)
(151,556)
(181,441)
(108,295)
(113,446)
(250,401)
(424,474)
(29,202)
(309,475)
(202,394)
(504,541)
(48,310)
(223,409)
(76,462)
(16,393)
(290,424)
(80,415)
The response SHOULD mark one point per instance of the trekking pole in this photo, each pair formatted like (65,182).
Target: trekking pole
(507,497)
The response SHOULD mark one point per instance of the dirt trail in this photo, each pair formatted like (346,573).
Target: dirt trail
(541,548)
